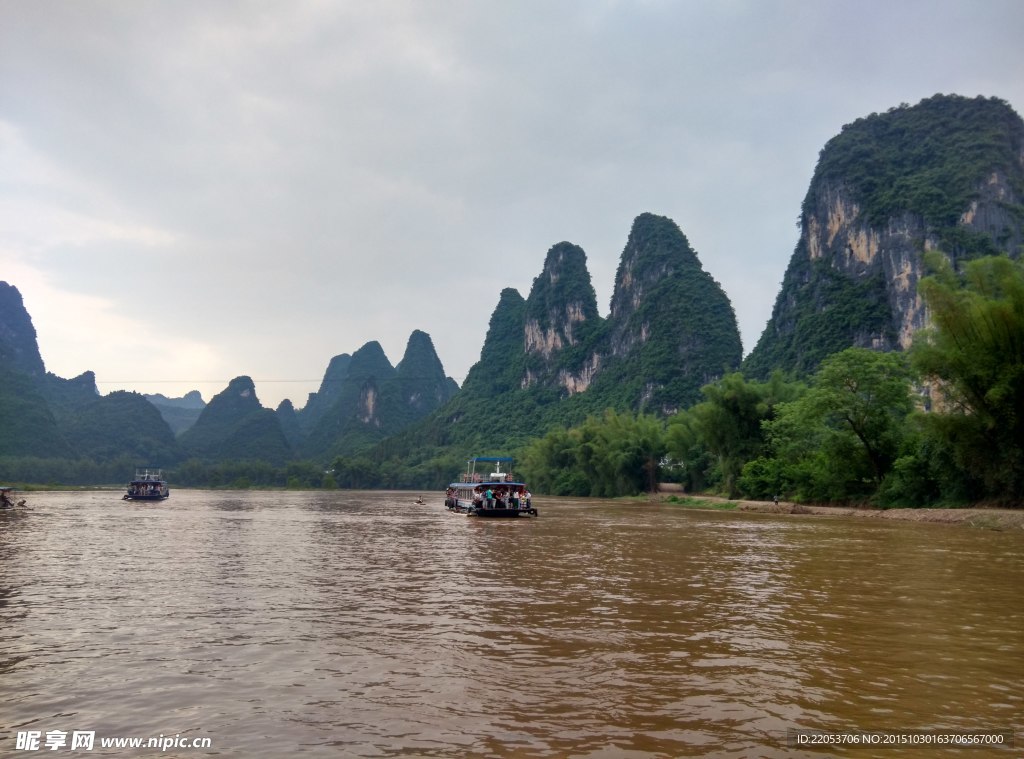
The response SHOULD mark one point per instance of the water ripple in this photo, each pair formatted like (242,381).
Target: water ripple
(352,624)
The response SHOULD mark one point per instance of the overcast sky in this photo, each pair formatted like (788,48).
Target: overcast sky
(191,191)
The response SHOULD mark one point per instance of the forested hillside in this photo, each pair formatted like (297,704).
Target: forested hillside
(946,174)
(551,361)
(890,371)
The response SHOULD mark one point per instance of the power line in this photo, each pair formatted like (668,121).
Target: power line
(226,381)
(198,382)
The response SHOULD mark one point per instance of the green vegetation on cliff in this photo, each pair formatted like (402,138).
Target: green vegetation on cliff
(27,423)
(929,159)
(944,172)
(550,361)
(857,433)
(121,424)
(235,426)
(672,328)
(828,312)
(974,359)
(605,406)
(563,326)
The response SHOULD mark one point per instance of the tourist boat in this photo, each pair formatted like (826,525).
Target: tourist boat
(7,500)
(495,494)
(148,485)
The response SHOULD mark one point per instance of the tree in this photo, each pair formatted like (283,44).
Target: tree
(689,453)
(729,421)
(551,466)
(841,438)
(865,393)
(973,356)
(607,456)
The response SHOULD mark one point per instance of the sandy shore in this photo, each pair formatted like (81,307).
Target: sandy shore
(987,518)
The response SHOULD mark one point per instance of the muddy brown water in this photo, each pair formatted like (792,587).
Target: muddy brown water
(359,624)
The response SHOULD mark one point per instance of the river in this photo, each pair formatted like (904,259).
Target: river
(358,624)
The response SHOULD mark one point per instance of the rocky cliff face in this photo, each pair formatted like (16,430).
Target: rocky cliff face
(672,328)
(19,349)
(551,358)
(561,322)
(347,399)
(947,174)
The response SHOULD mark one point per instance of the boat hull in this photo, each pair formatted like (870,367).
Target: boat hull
(157,497)
(472,510)
(502,513)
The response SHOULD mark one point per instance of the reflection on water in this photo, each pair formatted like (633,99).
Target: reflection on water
(360,624)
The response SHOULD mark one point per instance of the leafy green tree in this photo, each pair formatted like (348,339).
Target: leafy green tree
(551,466)
(635,446)
(619,453)
(866,394)
(689,454)
(973,356)
(611,455)
(729,421)
(356,473)
(840,439)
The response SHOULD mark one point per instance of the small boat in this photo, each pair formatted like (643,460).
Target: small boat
(494,494)
(148,485)
(7,500)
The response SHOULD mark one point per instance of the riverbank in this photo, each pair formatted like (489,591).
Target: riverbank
(985,518)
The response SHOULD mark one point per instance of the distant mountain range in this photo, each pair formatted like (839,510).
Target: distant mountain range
(947,173)
(551,359)
(179,413)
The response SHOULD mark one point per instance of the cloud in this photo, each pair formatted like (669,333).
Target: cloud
(294,181)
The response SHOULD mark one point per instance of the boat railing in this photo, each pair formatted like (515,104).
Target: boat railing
(494,477)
